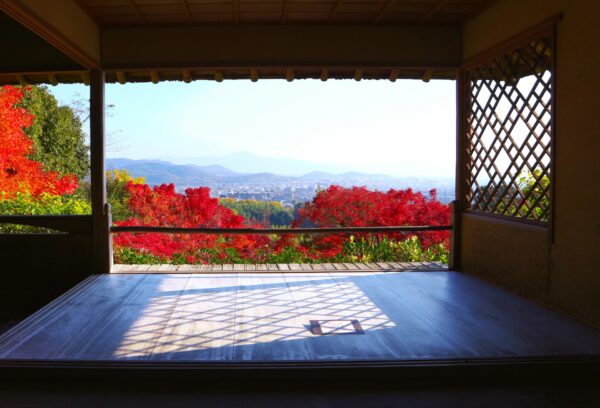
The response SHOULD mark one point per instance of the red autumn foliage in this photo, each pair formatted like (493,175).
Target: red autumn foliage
(17,172)
(359,207)
(334,207)
(161,206)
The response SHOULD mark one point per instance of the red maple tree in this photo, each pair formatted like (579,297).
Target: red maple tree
(17,172)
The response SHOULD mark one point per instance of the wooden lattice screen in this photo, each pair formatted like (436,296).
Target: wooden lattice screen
(508,129)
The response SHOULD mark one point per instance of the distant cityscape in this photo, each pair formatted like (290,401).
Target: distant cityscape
(291,193)
(285,189)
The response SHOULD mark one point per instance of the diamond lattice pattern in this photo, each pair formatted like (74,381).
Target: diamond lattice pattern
(509,117)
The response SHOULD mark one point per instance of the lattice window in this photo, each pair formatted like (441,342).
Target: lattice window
(509,135)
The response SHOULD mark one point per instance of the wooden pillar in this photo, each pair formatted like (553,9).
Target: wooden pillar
(458,204)
(102,254)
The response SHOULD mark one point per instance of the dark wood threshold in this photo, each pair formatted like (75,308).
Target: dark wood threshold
(474,369)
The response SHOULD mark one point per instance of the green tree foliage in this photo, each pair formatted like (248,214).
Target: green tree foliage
(535,186)
(57,134)
(45,204)
(266,213)
(116,193)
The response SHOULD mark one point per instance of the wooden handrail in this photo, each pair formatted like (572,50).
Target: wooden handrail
(295,231)
(73,224)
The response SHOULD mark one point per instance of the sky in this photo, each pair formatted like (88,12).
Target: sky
(405,128)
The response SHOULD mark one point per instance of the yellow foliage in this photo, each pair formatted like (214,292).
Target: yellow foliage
(124,176)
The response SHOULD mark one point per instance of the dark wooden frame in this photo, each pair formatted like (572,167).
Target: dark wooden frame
(101,219)
(546,29)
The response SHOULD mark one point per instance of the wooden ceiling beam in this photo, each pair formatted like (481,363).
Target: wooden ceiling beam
(52,79)
(187,76)
(358,73)
(138,13)
(427,73)
(324,74)
(80,42)
(127,48)
(85,78)
(254,74)
(393,75)
(334,11)
(434,10)
(384,11)
(87,11)
(121,77)
(186,10)
(219,75)
(21,79)
(236,11)
(289,74)
(154,77)
(285,11)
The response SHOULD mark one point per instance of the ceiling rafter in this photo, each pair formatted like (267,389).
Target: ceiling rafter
(137,11)
(121,77)
(187,76)
(334,11)
(81,4)
(434,10)
(236,11)
(358,73)
(384,11)
(289,74)
(286,9)
(186,9)
(427,73)
(52,79)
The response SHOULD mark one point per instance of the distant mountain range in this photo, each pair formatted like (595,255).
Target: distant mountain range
(183,175)
(246,162)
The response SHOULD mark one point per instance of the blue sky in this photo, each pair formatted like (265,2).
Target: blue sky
(402,128)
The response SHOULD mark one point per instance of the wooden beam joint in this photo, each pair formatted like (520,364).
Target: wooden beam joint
(121,77)
(427,73)
(384,11)
(289,75)
(187,76)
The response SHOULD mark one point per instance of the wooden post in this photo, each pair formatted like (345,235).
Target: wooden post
(457,205)
(454,237)
(102,253)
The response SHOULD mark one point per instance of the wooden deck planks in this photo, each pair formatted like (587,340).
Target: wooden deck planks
(292,267)
(267,320)
(202,321)
(254,316)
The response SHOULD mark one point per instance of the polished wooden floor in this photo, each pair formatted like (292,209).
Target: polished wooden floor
(229,317)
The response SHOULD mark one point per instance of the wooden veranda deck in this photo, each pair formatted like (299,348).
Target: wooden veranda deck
(284,267)
(293,317)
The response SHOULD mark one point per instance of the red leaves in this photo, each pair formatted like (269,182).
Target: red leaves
(357,207)
(162,206)
(334,207)
(17,172)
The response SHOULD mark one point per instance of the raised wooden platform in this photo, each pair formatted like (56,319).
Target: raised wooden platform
(231,318)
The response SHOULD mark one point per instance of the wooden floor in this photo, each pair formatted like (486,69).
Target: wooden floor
(284,267)
(259,317)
